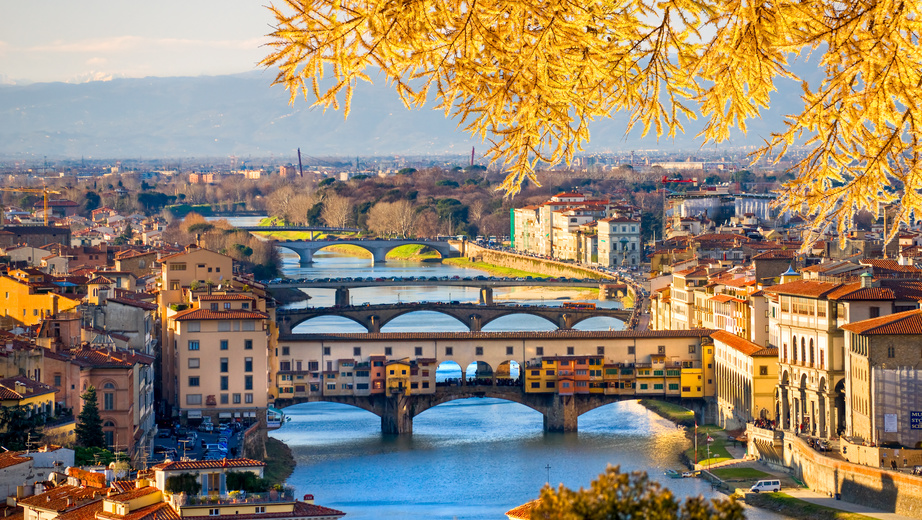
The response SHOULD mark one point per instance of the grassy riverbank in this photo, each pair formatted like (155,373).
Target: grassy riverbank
(494,270)
(671,412)
(280,462)
(794,507)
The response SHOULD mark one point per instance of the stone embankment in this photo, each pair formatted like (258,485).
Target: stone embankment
(878,488)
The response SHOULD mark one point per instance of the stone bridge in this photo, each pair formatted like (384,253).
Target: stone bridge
(373,317)
(561,412)
(377,247)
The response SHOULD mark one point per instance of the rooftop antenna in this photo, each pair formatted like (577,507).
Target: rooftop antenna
(472,156)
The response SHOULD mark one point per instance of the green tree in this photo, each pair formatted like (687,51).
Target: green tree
(616,495)
(183,483)
(89,423)
(533,75)
(27,427)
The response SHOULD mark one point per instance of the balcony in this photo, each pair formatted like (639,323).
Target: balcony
(234,497)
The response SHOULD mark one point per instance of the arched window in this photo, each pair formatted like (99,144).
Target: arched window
(812,352)
(108,397)
(109,385)
(794,350)
(108,431)
(803,349)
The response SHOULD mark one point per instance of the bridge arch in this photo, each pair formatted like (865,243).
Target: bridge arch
(295,323)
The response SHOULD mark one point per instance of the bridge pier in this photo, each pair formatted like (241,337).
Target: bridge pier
(305,256)
(342,297)
(475,323)
(561,415)
(397,418)
(379,254)
(486,296)
(565,321)
(374,324)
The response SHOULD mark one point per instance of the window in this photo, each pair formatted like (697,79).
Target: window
(509,351)
(108,401)
(223,344)
(248,364)
(326,351)
(692,349)
(214,512)
(224,382)
(875,312)
(673,386)
(224,326)
(57,380)
(247,344)
(643,386)
(478,351)
(630,350)
(539,351)
(449,351)
(356,351)
(224,364)
(600,351)
(177,267)
(214,306)
(260,509)
(193,362)
(247,382)
(661,349)
(891,352)
(194,399)
(285,366)
(225,399)
(763,370)
(248,398)
(569,351)
(236,398)
(550,384)
(193,344)
(193,381)
(227,306)
(388,351)
(418,351)
(535,384)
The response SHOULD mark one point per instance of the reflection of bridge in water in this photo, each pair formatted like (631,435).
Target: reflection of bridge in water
(562,374)
(373,317)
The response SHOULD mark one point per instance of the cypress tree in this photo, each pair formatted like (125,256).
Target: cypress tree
(89,423)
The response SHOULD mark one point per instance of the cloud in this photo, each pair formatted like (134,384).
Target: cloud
(87,77)
(95,62)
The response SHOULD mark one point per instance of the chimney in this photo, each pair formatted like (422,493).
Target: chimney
(867,280)
(309,499)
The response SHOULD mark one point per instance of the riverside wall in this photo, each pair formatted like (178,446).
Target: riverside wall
(254,441)
(534,265)
(879,488)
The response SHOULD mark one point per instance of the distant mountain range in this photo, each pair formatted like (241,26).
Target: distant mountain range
(214,116)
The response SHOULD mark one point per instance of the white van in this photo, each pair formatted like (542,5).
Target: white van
(766,485)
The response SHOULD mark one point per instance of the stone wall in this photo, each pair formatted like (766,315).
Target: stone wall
(874,487)
(254,441)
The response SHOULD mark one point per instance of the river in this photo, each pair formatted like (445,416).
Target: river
(468,459)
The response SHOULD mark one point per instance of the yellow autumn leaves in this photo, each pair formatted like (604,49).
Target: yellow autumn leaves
(530,75)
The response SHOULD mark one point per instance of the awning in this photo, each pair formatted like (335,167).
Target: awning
(194,414)
(224,415)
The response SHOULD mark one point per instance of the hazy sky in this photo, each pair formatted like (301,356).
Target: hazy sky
(77,41)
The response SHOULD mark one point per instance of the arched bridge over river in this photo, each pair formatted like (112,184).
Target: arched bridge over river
(377,247)
(373,317)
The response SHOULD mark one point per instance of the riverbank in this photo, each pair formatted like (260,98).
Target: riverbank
(280,462)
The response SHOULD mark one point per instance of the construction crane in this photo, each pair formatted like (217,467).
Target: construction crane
(44,191)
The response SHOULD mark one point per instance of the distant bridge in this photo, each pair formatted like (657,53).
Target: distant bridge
(312,229)
(377,247)
(373,317)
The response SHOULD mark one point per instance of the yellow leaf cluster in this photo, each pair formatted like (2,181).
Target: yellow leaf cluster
(530,75)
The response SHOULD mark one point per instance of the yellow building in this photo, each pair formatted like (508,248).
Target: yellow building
(746,377)
(27,298)
(37,397)
(397,375)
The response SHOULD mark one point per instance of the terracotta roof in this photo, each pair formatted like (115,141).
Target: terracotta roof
(523,512)
(854,292)
(85,512)
(901,323)
(30,388)
(57,498)
(222,297)
(133,494)
(134,303)
(724,298)
(207,464)
(776,254)
(11,458)
(558,334)
(205,314)
(301,510)
(805,288)
(89,357)
(158,511)
(99,280)
(741,344)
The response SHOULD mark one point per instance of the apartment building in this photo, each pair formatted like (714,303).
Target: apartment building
(619,242)
(746,375)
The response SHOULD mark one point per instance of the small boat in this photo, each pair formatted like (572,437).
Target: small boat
(671,473)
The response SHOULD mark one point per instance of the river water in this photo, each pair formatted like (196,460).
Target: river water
(467,459)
